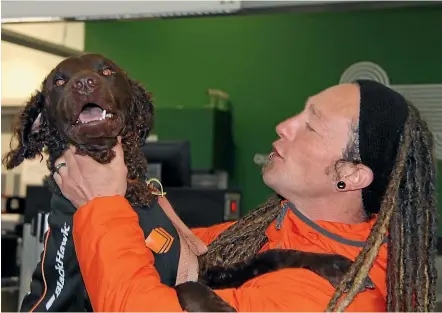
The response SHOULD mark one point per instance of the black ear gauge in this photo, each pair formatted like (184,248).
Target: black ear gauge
(340,185)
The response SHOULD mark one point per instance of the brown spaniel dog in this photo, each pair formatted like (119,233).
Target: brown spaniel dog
(87,101)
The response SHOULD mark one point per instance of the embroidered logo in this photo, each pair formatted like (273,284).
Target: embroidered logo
(159,240)
(59,266)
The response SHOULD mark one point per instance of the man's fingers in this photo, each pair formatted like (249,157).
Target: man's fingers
(58,179)
(119,153)
(61,166)
(75,162)
(71,159)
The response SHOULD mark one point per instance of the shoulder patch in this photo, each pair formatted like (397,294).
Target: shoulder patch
(159,240)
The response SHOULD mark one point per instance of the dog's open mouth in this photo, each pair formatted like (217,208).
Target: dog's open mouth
(93,113)
(94,122)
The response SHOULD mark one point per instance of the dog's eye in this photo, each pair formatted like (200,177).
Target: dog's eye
(59,82)
(107,72)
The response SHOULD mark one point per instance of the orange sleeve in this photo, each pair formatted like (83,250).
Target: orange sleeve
(209,234)
(119,273)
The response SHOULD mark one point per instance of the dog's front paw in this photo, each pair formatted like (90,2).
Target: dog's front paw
(196,297)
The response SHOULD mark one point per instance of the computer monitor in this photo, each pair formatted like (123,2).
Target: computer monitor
(173,158)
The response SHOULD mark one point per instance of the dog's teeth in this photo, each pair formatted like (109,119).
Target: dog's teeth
(109,115)
(103,115)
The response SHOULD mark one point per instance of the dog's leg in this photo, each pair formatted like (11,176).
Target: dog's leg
(196,297)
(332,267)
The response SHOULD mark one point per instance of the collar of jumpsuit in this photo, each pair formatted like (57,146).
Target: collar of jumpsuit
(293,230)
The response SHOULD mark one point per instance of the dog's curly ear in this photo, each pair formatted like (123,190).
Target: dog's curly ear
(142,110)
(29,132)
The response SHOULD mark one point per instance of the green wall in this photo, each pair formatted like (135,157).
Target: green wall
(269,64)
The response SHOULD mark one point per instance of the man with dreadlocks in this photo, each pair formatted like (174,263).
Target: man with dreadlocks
(354,174)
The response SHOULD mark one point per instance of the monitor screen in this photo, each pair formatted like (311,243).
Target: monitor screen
(171,159)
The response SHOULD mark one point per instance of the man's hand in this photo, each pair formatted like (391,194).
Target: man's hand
(82,179)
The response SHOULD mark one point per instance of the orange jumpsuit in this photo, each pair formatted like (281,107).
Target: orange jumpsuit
(119,274)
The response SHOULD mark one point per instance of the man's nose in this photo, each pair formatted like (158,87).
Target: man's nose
(85,84)
(287,129)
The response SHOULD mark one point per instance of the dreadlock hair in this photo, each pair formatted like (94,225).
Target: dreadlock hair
(408,212)
(243,239)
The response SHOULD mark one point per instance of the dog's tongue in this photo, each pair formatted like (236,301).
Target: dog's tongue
(90,114)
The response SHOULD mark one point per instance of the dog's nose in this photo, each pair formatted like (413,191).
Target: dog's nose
(87,83)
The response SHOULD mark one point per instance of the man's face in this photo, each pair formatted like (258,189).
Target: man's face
(303,160)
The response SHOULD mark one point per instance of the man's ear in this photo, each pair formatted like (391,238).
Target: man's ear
(29,131)
(142,110)
(355,176)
